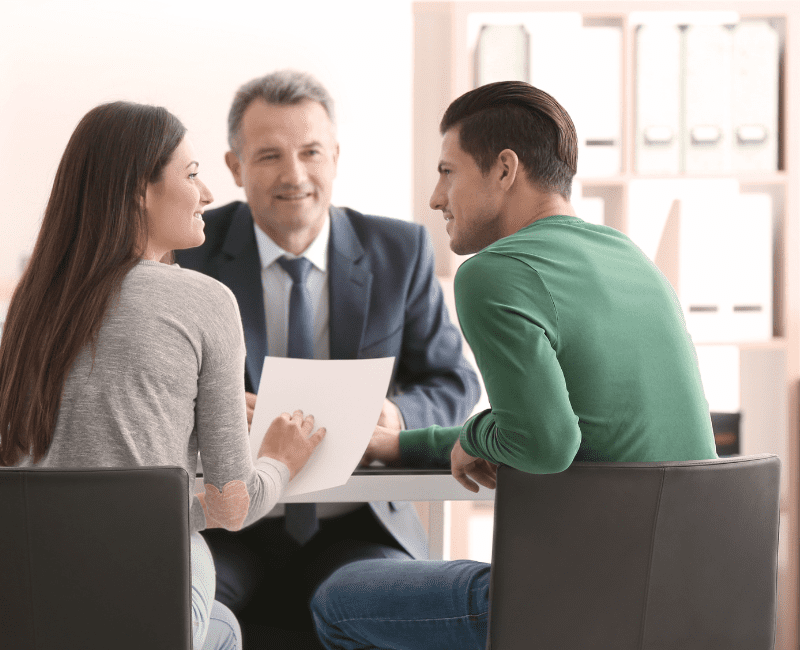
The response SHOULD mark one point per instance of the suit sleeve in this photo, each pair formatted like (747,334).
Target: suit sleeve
(437,384)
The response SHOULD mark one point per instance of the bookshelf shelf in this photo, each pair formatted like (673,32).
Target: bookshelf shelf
(774,178)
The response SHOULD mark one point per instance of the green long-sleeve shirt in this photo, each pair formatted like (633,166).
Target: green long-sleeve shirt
(584,353)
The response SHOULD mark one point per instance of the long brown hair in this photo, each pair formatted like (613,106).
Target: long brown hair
(93,232)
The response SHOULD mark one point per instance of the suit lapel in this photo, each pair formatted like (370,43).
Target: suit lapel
(349,286)
(240,270)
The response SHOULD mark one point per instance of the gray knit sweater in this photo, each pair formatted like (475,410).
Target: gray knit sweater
(168,381)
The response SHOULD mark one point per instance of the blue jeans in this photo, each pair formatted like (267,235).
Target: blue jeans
(401,604)
(214,627)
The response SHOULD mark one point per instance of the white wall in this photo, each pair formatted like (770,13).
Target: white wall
(58,59)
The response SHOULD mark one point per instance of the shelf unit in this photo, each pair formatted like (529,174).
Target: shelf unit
(770,370)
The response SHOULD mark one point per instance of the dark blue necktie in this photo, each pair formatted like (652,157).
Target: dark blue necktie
(301,518)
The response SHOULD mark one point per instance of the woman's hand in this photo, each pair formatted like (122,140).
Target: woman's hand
(288,440)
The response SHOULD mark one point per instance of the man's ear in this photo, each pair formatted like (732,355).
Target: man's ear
(235,165)
(336,160)
(508,164)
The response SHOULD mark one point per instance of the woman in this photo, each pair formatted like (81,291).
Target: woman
(132,362)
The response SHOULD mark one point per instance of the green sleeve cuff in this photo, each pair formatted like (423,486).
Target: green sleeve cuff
(429,447)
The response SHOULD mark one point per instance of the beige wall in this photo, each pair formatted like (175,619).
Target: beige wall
(60,58)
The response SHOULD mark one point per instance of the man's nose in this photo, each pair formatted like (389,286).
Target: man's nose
(293,171)
(437,199)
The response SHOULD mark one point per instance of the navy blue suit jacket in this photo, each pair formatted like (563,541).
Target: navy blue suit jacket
(384,301)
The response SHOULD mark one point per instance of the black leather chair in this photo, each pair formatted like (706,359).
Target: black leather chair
(651,556)
(95,559)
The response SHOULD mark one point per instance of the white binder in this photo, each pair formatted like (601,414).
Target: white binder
(556,62)
(755,96)
(726,264)
(751,269)
(658,99)
(714,245)
(704,261)
(553,61)
(502,54)
(599,120)
(707,67)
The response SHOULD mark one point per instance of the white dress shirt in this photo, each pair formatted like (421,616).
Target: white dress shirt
(277,287)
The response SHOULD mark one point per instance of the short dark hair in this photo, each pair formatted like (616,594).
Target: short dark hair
(283,87)
(515,115)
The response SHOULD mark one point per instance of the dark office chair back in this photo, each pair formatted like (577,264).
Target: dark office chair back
(95,559)
(651,556)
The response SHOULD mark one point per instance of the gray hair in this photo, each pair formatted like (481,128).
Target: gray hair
(284,87)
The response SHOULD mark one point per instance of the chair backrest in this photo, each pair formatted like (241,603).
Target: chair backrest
(651,556)
(95,559)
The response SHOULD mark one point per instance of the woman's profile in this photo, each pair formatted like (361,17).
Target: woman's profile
(111,358)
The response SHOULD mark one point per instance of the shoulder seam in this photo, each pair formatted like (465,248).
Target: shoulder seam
(538,275)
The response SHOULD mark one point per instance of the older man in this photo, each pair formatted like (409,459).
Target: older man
(324,282)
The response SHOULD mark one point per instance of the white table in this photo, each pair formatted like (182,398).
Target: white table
(386,484)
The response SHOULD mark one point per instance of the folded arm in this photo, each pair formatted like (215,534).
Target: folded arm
(511,324)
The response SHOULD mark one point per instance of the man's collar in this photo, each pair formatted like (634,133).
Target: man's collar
(317,251)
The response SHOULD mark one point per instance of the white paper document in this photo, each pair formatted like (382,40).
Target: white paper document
(344,396)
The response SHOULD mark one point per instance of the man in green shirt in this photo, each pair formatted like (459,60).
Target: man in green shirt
(580,341)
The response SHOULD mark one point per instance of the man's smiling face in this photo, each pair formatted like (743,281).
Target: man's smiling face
(286,163)
(468,199)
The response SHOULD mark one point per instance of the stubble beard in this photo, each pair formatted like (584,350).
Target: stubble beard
(477,236)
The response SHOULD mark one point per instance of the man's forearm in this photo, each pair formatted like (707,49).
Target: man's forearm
(429,447)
